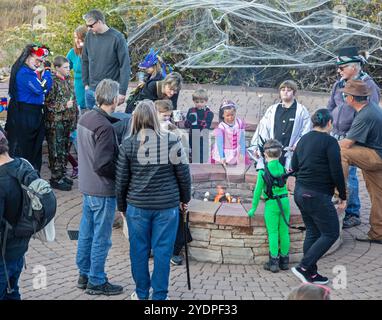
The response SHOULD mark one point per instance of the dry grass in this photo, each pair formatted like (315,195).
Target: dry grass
(18,12)
(15,25)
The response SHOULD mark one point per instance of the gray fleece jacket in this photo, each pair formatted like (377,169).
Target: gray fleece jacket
(342,113)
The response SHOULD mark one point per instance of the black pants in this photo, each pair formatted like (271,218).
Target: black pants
(25,130)
(321,221)
(179,241)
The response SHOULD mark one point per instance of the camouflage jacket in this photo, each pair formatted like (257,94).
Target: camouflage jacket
(56,103)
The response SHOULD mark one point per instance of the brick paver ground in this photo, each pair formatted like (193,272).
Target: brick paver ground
(362,263)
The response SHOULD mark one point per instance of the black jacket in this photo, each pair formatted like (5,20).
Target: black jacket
(10,210)
(154,182)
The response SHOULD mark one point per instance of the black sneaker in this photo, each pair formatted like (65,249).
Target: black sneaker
(319,279)
(304,276)
(176,260)
(107,289)
(60,185)
(351,222)
(68,180)
(82,282)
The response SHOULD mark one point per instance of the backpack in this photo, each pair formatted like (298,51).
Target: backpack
(272,181)
(39,202)
(38,208)
(280,181)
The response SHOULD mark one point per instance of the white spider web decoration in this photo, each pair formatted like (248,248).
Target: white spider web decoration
(249,34)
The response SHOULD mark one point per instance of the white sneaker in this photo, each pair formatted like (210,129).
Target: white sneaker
(134,296)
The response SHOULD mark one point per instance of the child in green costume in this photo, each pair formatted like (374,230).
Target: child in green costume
(276,226)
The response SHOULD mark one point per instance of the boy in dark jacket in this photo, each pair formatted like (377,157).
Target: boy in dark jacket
(60,121)
(199,118)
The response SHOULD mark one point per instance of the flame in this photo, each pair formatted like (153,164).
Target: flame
(221,193)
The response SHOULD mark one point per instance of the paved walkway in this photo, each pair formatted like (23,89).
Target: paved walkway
(361,262)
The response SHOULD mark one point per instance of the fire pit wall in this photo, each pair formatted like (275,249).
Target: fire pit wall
(223,232)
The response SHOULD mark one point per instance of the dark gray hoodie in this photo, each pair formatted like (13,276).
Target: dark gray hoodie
(342,113)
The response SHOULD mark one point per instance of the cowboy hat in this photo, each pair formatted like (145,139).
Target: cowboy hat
(356,88)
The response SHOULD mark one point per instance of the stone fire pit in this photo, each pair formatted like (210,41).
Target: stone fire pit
(223,232)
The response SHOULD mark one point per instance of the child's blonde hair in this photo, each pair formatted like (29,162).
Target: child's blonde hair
(200,94)
(310,291)
(163,105)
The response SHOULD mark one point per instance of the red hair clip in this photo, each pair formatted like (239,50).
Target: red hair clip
(41,52)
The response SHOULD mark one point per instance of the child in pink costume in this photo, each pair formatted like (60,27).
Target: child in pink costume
(229,147)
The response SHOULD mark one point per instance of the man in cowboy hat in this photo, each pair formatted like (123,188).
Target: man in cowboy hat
(362,147)
(349,63)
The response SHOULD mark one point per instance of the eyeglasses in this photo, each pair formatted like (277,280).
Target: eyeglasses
(91,25)
(342,67)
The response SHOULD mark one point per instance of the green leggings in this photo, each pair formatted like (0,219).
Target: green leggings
(276,227)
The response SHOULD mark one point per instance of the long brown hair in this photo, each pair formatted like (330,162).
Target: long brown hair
(145,117)
(81,33)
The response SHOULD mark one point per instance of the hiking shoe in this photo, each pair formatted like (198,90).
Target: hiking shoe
(176,260)
(272,265)
(74,174)
(350,222)
(284,262)
(107,289)
(118,222)
(366,238)
(60,185)
(68,180)
(82,282)
(304,276)
(319,279)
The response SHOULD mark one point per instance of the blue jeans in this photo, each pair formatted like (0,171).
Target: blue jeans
(94,240)
(322,225)
(151,229)
(73,139)
(353,203)
(14,269)
(90,99)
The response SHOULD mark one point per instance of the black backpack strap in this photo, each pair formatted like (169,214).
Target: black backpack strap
(3,248)
(283,215)
(268,179)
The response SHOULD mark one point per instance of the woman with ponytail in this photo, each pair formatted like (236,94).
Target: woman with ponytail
(317,163)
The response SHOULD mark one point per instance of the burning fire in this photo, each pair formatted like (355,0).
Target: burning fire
(223,196)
